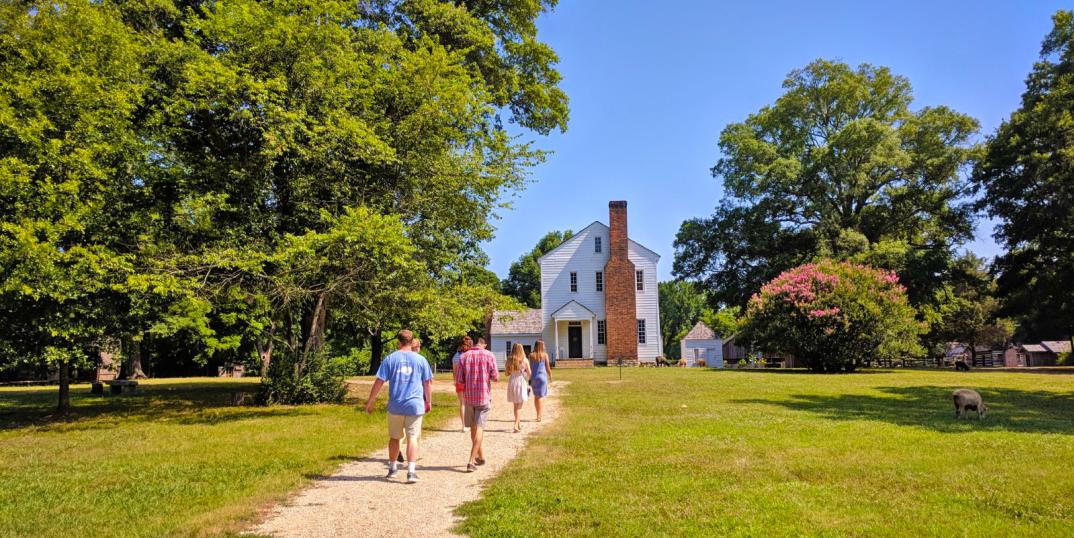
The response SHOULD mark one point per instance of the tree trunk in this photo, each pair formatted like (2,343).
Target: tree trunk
(313,325)
(136,360)
(264,350)
(64,404)
(376,346)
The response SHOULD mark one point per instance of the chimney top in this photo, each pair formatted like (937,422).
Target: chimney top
(617,203)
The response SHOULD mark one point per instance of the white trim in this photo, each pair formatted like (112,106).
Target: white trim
(605,226)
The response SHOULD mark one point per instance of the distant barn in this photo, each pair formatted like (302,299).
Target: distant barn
(702,344)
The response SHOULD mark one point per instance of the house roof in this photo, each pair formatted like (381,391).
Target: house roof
(1034,348)
(605,226)
(700,332)
(573,310)
(1057,346)
(517,322)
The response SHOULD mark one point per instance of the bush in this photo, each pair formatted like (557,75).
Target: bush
(834,316)
(312,378)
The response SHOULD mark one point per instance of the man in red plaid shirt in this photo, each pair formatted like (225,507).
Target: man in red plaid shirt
(477,370)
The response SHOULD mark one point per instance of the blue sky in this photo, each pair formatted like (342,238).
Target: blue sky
(652,84)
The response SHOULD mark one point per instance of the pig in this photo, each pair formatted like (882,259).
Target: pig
(966,399)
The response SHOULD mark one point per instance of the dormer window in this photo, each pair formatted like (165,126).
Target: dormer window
(596,244)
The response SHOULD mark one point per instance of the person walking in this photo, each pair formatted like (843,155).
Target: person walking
(541,375)
(410,396)
(476,372)
(460,388)
(518,376)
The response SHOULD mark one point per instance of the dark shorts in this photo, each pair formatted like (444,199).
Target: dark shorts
(476,416)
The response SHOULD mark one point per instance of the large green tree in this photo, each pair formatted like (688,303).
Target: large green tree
(839,166)
(523,280)
(245,175)
(1027,177)
(72,94)
(282,117)
(966,309)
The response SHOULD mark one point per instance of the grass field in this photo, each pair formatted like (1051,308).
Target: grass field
(762,453)
(176,459)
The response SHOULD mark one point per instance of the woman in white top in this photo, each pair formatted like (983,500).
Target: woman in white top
(518,386)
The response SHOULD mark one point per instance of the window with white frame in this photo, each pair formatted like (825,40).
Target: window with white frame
(639,276)
(601,338)
(641,331)
(508,354)
(596,244)
(600,280)
(574,282)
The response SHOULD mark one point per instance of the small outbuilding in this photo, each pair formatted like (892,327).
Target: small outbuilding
(702,344)
(510,327)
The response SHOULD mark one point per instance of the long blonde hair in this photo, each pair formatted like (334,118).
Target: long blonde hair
(538,352)
(516,360)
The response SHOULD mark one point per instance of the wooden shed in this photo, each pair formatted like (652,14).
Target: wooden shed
(702,344)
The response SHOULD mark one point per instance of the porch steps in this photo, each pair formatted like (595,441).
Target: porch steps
(574,363)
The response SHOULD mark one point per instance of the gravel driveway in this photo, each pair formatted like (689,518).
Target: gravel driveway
(358,501)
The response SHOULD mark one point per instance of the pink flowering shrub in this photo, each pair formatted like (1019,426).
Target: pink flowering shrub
(834,316)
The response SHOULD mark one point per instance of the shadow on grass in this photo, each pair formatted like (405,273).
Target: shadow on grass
(932,407)
(182,402)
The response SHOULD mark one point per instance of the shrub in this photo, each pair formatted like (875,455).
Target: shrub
(834,316)
(304,379)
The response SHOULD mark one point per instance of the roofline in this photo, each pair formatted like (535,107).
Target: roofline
(579,232)
(575,301)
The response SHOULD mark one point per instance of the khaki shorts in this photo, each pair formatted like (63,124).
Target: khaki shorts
(398,424)
(476,415)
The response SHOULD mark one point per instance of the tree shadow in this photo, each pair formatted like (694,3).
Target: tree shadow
(931,407)
(182,401)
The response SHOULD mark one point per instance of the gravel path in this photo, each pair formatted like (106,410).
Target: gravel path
(358,501)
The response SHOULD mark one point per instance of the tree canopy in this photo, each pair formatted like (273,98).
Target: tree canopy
(839,166)
(1027,180)
(245,173)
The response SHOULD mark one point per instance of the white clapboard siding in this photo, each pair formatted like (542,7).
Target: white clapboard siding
(648,302)
(711,351)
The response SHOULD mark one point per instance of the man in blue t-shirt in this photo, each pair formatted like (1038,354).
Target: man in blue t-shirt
(410,396)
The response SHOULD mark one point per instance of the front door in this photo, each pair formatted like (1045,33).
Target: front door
(574,342)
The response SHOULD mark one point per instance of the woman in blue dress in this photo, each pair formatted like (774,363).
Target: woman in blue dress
(540,376)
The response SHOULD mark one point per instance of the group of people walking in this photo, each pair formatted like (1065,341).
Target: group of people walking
(409,380)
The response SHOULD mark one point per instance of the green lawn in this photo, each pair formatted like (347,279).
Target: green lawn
(177,459)
(764,453)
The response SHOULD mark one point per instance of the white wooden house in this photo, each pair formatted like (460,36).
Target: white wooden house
(599,300)
(702,344)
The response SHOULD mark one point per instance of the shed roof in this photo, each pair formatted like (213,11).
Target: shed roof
(1057,346)
(1034,348)
(517,322)
(700,332)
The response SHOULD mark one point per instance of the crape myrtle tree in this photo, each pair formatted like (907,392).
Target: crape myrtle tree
(834,316)
(1027,180)
(279,120)
(838,167)
(523,280)
(71,94)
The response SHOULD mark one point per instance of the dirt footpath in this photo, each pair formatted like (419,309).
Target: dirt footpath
(358,501)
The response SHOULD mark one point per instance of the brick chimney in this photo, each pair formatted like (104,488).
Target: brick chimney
(620,302)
